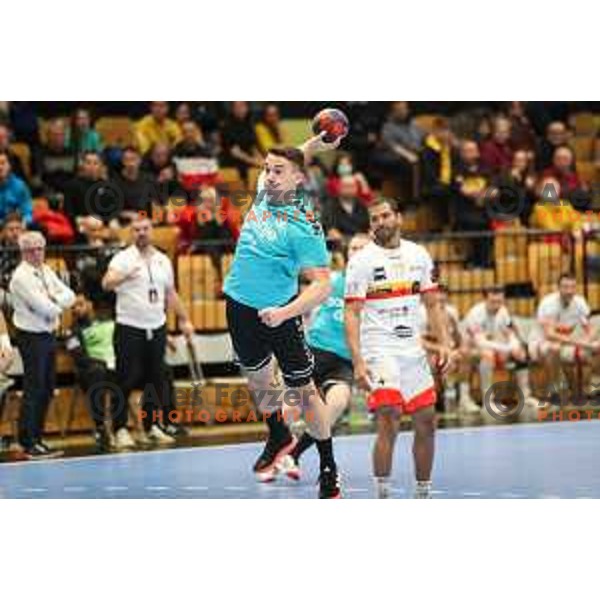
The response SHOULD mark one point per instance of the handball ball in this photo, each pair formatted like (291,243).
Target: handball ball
(334,122)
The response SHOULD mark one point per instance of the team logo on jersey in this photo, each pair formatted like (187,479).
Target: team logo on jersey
(379,274)
(402,331)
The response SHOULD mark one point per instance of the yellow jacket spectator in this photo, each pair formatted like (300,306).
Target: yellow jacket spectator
(269,131)
(157,128)
(553,214)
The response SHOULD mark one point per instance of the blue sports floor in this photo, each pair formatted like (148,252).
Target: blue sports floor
(521,461)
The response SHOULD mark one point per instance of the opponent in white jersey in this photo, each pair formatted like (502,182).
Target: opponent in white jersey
(492,340)
(564,333)
(461,368)
(384,284)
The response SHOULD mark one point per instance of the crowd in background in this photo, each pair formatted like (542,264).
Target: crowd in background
(453,166)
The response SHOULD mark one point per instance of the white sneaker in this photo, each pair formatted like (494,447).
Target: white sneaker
(468,407)
(123,440)
(423,490)
(289,467)
(157,436)
(382,488)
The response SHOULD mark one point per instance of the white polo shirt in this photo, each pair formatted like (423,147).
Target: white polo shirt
(141,300)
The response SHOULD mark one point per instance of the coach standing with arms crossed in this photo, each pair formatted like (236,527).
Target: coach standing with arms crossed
(143,280)
(38,297)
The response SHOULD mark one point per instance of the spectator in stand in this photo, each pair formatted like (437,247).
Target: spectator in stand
(15,161)
(471,189)
(557,135)
(81,136)
(193,144)
(344,167)
(157,128)
(401,142)
(183,114)
(55,164)
(483,129)
(520,183)
(24,122)
(14,193)
(345,216)
(522,135)
(240,147)
(366,120)
(563,170)
(496,153)
(159,166)
(136,186)
(552,212)
(195,159)
(269,131)
(83,194)
(439,160)
(12,228)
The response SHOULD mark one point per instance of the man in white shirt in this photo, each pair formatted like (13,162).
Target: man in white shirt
(38,297)
(564,335)
(493,341)
(143,280)
(385,282)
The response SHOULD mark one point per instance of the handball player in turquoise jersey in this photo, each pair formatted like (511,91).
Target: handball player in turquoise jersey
(333,373)
(281,240)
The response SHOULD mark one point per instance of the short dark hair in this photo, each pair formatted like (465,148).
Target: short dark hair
(496,289)
(92,153)
(130,148)
(12,217)
(391,202)
(567,275)
(294,155)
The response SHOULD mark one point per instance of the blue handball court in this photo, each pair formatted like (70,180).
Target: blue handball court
(549,460)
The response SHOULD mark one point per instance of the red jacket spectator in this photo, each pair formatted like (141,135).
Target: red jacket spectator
(496,154)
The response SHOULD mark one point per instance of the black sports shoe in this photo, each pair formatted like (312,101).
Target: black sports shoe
(329,484)
(274,450)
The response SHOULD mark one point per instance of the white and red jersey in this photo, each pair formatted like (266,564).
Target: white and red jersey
(566,319)
(390,282)
(496,327)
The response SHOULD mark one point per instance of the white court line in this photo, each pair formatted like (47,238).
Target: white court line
(235,488)
(34,490)
(143,453)
(356,490)
(471,494)
(511,495)
(116,488)
(74,488)
(157,488)
(195,488)
(549,497)
(438,492)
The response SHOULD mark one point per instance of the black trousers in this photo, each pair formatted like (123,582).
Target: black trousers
(38,351)
(140,358)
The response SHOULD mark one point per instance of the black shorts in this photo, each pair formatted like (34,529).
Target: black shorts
(331,369)
(255,344)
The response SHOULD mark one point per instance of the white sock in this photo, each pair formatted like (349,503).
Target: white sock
(464,391)
(523,382)
(382,485)
(423,489)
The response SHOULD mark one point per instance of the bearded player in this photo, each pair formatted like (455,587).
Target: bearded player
(279,242)
(384,286)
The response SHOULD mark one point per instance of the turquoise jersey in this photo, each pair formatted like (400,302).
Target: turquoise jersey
(275,244)
(326,331)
